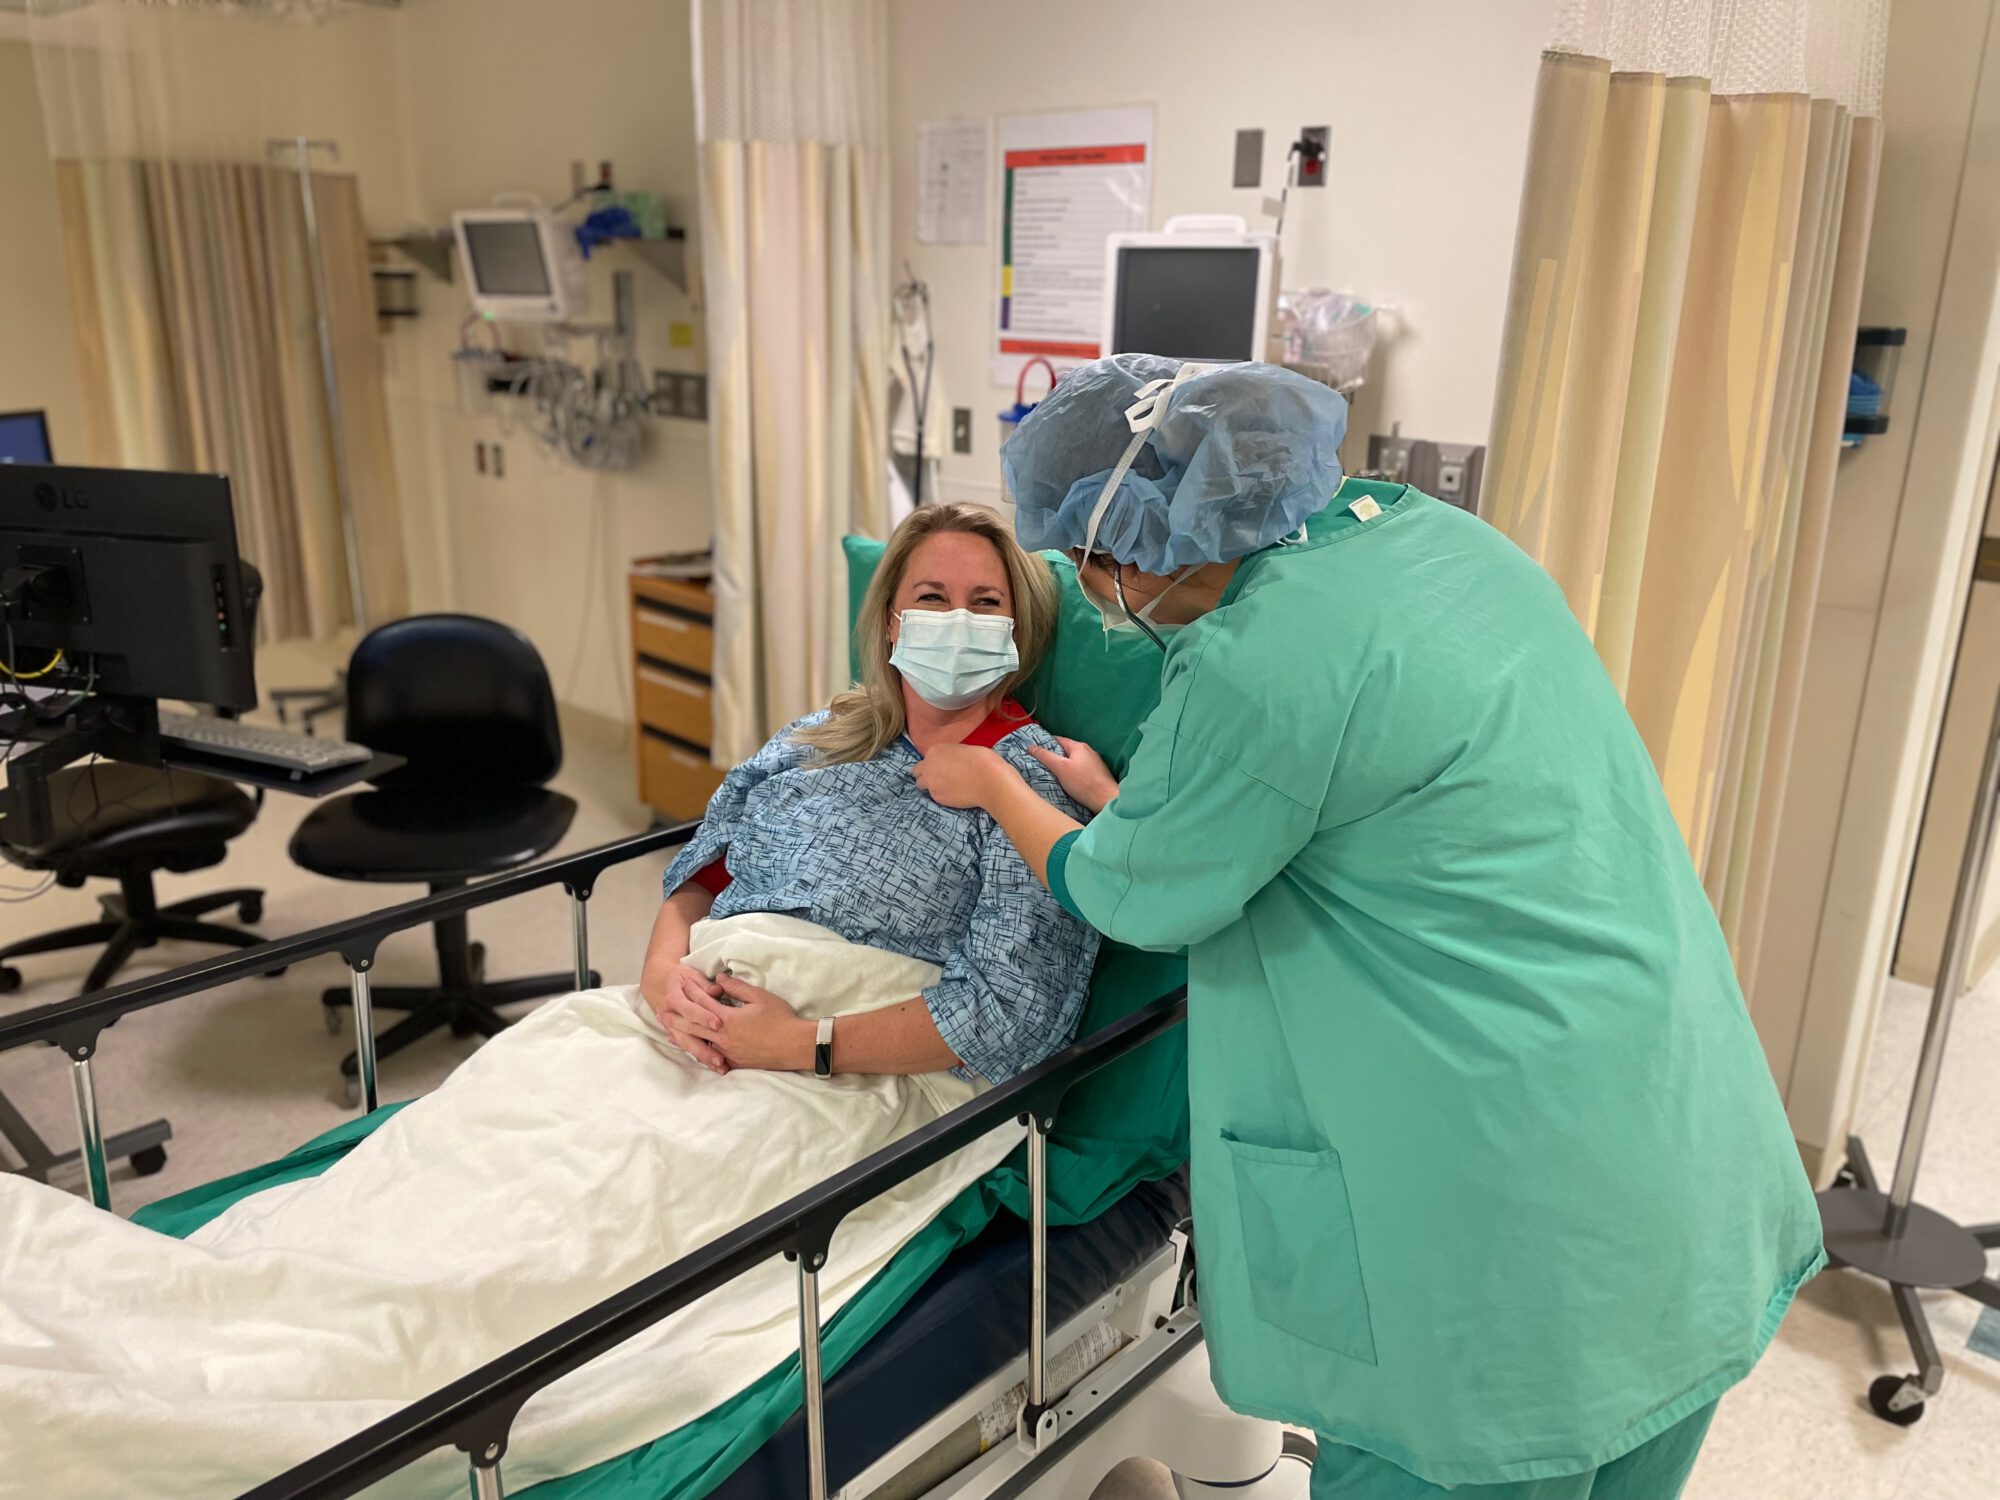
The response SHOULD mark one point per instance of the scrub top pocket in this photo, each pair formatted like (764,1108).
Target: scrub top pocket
(1299,1248)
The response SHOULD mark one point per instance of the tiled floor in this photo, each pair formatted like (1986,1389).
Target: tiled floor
(250,1071)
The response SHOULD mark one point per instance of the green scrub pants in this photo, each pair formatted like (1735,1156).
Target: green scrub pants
(1655,1470)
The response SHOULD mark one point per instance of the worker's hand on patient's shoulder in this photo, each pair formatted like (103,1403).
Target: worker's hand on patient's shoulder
(962,775)
(1081,772)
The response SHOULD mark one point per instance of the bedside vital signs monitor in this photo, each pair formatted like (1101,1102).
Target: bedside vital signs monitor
(1204,288)
(520,263)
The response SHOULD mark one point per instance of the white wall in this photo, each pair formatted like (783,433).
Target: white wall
(500,96)
(1429,102)
(37,341)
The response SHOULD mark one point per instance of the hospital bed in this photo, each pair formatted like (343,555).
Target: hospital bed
(906,1392)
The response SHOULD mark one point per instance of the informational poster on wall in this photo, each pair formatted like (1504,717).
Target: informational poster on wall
(1067,181)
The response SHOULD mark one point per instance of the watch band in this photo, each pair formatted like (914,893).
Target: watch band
(823,1049)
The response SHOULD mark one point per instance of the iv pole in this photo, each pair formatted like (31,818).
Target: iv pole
(303,148)
(1892,1236)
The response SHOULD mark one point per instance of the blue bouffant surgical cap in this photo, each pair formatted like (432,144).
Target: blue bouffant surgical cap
(1230,458)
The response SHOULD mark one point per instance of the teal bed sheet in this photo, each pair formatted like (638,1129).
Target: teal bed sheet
(1124,1125)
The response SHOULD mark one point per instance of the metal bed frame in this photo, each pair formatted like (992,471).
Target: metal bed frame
(476,1412)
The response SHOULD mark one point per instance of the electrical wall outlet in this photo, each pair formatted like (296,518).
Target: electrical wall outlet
(664,395)
(1249,159)
(1447,471)
(691,397)
(961,429)
(1312,172)
(1389,456)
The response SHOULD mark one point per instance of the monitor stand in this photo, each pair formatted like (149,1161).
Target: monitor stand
(125,729)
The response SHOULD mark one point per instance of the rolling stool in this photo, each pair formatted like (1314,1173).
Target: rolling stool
(468,705)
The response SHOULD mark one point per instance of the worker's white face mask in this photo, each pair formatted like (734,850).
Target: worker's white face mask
(1119,618)
(952,657)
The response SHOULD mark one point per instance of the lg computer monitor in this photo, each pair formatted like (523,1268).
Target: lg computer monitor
(1190,294)
(24,438)
(124,583)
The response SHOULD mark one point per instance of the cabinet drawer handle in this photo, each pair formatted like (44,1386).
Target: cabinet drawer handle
(681,758)
(666,622)
(661,679)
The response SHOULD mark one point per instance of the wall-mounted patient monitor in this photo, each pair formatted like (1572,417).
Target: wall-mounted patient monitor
(520,264)
(1204,288)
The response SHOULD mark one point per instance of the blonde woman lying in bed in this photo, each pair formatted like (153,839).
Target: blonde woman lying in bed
(613,1130)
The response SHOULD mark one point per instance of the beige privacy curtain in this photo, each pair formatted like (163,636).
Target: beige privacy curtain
(192,291)
(1687,276)
(794,216)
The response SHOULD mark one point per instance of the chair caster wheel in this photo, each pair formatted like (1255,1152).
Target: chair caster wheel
(1898,1399)
(477,954)
(1844,1178)
(274,973)
(10,979)
(331,1015)
(351,1087)
(148,1161)
(251,912)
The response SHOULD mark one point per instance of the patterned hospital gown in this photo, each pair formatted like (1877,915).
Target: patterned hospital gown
(861,849)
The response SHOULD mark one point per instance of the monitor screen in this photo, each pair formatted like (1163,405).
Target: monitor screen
(1187,302)
(507,258)
(24,438)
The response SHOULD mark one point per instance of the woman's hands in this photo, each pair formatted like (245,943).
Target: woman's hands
(964,775)
(726,1023)
(1081,772)
(678,1000)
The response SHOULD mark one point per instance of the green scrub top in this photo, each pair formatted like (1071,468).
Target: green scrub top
(1491,1177)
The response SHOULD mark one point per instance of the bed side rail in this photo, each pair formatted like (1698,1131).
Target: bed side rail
(75,1025)
(476,1412)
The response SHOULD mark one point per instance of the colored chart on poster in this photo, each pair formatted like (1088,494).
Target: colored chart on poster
(1067,181)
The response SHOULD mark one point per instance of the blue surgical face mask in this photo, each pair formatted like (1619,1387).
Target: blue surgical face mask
(952,657)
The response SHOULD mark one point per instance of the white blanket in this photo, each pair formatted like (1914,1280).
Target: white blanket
(565,1160)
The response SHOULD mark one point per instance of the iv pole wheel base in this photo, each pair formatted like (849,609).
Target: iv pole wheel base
(1932,1251)
(1897,1399)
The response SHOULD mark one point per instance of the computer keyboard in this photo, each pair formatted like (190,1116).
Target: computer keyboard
(300,753)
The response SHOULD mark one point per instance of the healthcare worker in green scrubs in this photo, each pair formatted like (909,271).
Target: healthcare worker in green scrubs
(1493,1189)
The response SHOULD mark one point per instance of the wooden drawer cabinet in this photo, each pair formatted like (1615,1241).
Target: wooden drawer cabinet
(675,782)
(684,706)
(670,636)
(673,652)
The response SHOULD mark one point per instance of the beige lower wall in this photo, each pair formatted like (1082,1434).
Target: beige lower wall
(37,342)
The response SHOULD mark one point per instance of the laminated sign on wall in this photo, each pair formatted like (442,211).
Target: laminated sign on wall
(1067,181)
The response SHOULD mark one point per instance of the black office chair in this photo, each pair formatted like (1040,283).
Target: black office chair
(467,703)
(127,823)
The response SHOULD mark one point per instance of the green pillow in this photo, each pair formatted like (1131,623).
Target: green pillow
(1091,686)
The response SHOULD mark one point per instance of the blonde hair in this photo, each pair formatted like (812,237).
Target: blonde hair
(864,721)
